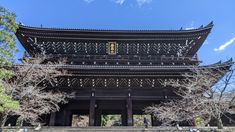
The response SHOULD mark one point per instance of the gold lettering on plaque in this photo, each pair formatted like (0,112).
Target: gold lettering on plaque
(112,48)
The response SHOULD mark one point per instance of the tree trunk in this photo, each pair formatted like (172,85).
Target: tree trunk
(219,123)
(3,119)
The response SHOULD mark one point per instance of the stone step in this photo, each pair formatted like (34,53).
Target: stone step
(110,129)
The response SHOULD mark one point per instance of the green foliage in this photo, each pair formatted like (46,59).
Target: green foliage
(199,122)
(8,27)
(5,74)
(110,120)
(6,102)
(139,120)
(104,120)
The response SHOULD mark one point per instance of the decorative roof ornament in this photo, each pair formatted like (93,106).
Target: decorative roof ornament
(21,24)
(210,24)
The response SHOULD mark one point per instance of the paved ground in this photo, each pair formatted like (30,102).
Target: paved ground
(112,129)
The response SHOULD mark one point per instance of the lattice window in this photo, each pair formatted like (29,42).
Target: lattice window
(147,83)
(101,48)
(48,47)
(144,48)
(164,48)
(99,82)
(58,46)
(75,82)
(91,48)
(153,49)
(122,48)
(135,83)
(158,82)
(123,82)
(81,48)
(174,48)
(87,82)
(111,82)
(62,82)
(132,48)
(70,48)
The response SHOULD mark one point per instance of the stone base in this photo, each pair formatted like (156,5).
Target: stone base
(117,129)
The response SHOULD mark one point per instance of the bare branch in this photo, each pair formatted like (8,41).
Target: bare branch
(197,97)
(29,86)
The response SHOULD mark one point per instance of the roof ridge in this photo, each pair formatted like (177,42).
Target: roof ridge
(209,26)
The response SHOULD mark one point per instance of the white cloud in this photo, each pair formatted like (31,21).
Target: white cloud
(142,2)
(88,1)
(225,45)
(120,2)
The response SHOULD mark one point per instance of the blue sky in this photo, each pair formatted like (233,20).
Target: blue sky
(136,14)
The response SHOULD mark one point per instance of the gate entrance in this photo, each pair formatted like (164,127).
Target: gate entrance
(111,120)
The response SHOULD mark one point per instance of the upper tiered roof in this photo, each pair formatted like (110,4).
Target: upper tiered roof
(66,42)
(119,58)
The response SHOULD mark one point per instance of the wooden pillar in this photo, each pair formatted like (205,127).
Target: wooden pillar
(59,118)
(153,120)
(92,110)
(98,115)
(68,118)
(64,116)
(124,117)
(52,119)
(129,111)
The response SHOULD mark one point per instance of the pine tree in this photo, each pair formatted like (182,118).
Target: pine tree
(8,27)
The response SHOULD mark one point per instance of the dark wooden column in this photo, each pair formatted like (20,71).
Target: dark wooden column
(63,117)
(60,118)
(98,115)
(92,110)
(124,117)
(153,120)
(52,119)
(68,119)
(129,111)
